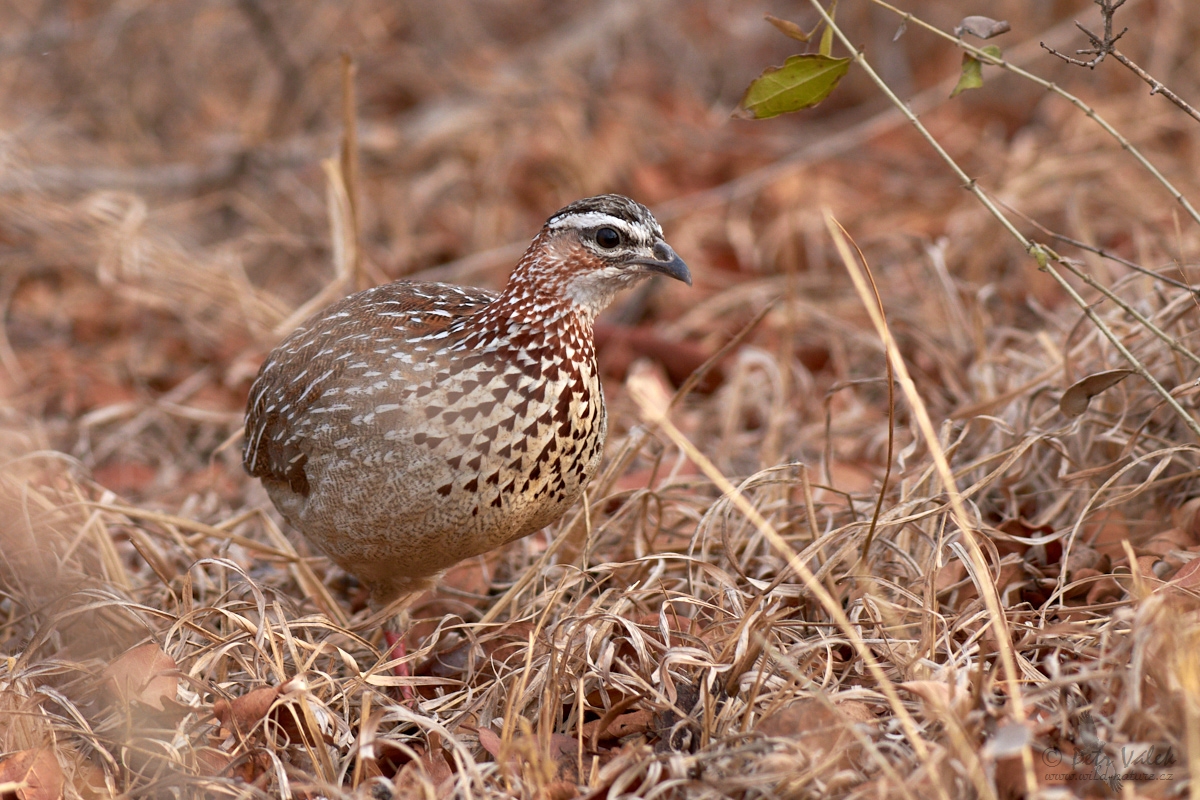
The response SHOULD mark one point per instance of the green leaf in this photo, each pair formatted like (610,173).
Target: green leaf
(802,82)
(972,70)
(826,46)
(971,77)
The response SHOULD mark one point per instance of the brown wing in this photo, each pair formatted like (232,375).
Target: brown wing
(314,357)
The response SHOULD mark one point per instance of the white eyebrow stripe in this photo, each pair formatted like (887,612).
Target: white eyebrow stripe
(593,219)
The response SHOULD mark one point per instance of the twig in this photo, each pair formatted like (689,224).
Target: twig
(1045,257)
(1156,86)
(1103,46)
(1076,270)
(989,58)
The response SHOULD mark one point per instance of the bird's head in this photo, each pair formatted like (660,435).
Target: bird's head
(593,248)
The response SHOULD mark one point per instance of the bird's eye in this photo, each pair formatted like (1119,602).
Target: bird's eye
(607,238)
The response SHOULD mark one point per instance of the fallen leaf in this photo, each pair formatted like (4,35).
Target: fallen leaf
(627,724)
(489,740)
(89,781)
(144,675)
(1152,568)
(211,761)
(949,574)
(125,477)
(1075,400)
(1012,574)
(1084,557)
(618,346)
(558,790)
(820,734)
(1081,582)
(1164,542)
(1105,531)
(243,713)
(1105,590)
(35,773)
(1187,519)
(431,765)
(1188,576)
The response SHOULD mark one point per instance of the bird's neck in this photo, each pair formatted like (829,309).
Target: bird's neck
(541,291)
(524,306)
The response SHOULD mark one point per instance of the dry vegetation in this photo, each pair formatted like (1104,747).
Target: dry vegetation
(164,212)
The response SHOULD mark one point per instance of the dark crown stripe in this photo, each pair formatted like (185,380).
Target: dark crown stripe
(614,205)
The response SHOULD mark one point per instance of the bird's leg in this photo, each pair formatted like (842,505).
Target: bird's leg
(395,627)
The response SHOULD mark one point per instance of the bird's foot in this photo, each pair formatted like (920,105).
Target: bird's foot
(397,649)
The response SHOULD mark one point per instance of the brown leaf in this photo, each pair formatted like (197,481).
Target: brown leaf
(1012,574)
(1082,581)
(431,768)
(1164,542)
(144,675)
(819,733)
(244,713)
(1105,590)
(1075,400)
(37,773)
(437,767)
(270,702)
(88,780)
(949,574)
(497,645)
(490,740)
(1106,530)
(561,744)
(1083,557)
(627,724)
(211,761)
(1187,519)
(558,790)
(1152,568)
(1188,576)
(788,28)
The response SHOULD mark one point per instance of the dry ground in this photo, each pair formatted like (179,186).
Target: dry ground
(165,217)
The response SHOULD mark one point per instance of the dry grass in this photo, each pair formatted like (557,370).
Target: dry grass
(164,212)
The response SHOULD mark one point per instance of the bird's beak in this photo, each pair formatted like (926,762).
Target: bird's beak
(666,262)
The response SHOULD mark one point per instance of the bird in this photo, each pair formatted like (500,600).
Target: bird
(413,425)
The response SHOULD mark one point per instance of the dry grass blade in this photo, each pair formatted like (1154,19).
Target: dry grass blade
(991,596)
(652,408)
